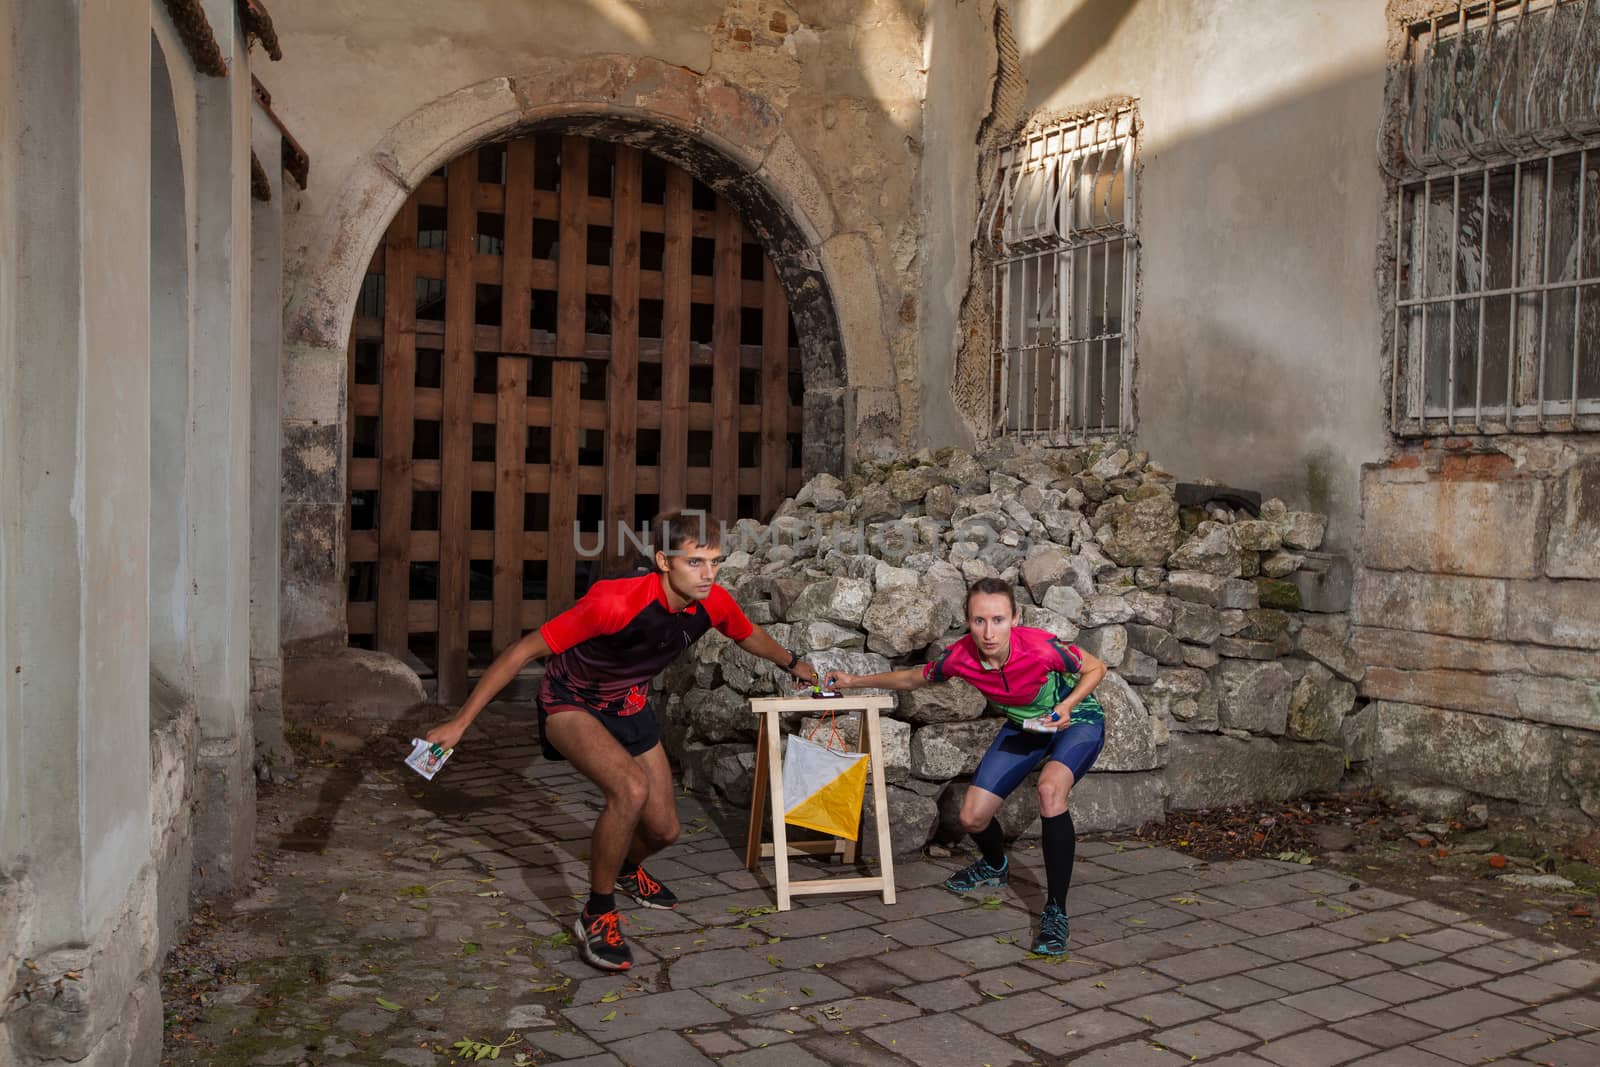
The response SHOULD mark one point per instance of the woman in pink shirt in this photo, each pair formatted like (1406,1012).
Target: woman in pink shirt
(1043,686)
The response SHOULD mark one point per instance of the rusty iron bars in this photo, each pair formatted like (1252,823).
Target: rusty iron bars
(1058,225)
(1496,236)
(1494,82)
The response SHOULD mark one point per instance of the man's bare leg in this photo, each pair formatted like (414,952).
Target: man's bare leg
(658,819)
(589,746)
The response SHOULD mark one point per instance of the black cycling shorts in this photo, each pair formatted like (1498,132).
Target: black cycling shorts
(637,733)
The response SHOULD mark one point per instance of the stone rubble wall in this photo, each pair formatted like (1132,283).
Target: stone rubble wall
(1232,678)
(1477,610)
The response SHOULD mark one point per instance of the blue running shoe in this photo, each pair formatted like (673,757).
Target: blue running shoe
(979,874)
(1053,929)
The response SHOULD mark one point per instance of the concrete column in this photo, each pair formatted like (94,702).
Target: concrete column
(74,549)
(266,373)
(171,345)
(220,480)
(315,500)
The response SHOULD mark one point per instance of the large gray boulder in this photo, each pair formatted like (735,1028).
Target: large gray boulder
(348,683)
(1064,601)
(816,635)
(1331,653)
(1104,609)
(1212,550)
(1109,643)
(950,749)
(1257,535)
(1157,643)
(1141,530)
(939,503)
(901,620)
(1185,695)
(910,487)
(849,662)
(1302,530)
(1195,587)
(719,715)
(1130,734)
(1104,801)
(825,492)
(1046,567)
(1045,619)
(1150,608)
(841,601)
(970,477)
(1318,705)
(877,504)
(1253,696)
(1213,771)
(952,701)
(1489,756)
(1196,623)
(912,820)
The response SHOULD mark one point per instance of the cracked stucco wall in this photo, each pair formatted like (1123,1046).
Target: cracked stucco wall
(1259,199)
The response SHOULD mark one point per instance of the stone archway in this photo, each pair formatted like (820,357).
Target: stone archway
(729,139)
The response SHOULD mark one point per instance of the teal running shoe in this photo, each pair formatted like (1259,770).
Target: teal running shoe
(978,875)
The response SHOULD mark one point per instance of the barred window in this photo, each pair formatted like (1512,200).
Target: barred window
(1058,225)
(1497,226)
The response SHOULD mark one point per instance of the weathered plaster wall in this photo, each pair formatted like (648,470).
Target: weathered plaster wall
(821,107)
(99,816)
(266,425)
(1258,325)
(220,454)
(1478,611)
(958,44)
(174,134)
(76,412)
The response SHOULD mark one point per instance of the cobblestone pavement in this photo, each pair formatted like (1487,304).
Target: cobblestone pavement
(399,917)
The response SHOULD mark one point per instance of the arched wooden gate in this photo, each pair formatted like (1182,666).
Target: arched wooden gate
(584,335)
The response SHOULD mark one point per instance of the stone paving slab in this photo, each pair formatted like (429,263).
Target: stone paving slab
(1173,961)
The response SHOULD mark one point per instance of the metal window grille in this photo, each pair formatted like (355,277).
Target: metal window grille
(1058,224)
(1497,226)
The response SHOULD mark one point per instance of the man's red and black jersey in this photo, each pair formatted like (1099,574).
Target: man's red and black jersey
(622,633)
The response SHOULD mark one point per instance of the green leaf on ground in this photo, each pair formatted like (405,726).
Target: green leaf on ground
(388,1005)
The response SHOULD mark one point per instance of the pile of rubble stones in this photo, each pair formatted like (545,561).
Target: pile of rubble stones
(1231,677)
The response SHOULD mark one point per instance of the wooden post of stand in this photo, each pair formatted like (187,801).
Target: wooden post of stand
(769,780)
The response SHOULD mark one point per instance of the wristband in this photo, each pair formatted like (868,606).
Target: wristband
(794,658)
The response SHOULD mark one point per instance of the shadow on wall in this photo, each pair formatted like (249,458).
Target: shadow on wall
(1081,36)
(1261,357)
(1260,341)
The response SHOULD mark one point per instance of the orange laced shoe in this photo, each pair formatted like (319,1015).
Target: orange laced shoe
(600,940)
(646,890)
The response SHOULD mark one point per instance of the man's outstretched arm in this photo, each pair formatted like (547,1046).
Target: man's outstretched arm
(497,677)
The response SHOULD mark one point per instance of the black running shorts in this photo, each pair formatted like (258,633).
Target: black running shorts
(637,733)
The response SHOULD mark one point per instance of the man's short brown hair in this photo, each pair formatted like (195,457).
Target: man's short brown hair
(671,530)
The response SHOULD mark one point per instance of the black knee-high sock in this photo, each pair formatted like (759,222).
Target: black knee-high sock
(991,841)
(1060,839)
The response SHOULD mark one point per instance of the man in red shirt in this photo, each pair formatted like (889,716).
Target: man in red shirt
(594,707)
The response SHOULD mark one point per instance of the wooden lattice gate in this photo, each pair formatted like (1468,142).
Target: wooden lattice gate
(555,331)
